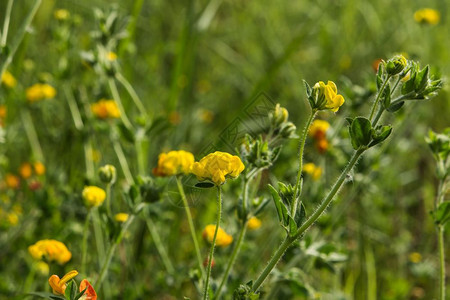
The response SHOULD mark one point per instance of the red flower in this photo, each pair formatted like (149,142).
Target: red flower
(90,292)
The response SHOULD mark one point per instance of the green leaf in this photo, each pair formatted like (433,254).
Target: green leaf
(71,290)
(360,132)
(387,96)
(308,88)
(396,106)
(292,226)
(80,294)
(442,213)
(281,208)
(300,215)
(421,79)
(380,135)
(204,185)
(408,86)
(45,295)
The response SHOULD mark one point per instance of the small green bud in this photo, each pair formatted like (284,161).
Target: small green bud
(279,115)
(288,130)
(107,174)
(396,64)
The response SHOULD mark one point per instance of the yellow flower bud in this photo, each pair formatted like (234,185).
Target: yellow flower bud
(93,196)
(121,217)
(222,240)
(61,14)
(107,174)
(396,64)
(313,170)
(326,96)
(8,80)
(253,223)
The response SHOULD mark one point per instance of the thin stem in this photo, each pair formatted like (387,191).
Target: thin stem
(441,263)
(74,111)
(99,241)
(116,96)
(191,226)
(289,240)
(6,23)
(298,189)
(132,93)
(88,153)
(84,243)
(211,252)
(377,117)
(110,253)
(140,157)
(159,246)
(378,96)
(32,135)
(108,199)
(123,162)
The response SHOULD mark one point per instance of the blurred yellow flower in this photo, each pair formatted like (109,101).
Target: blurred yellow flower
(3,111)
(332,100)
(253,223)
(217,166)
(59,285)
(415,257)
(104,109)
(39,168)
(322,145)
(173,163)
(8,80)
(121,217)
(313,170)
(427,16)
(52,250)
(111,56)
(222,240)
(93,196)
(206,115)
(42,268)
(12,181)
(25,170)
(40,91)
(13,218)
(318,129)
(61,14)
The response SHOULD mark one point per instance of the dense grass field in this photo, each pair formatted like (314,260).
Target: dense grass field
(327,182)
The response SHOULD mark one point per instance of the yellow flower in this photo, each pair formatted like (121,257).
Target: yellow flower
(61,14)
(93,196)
(318,129)
(104,109)
(8,80)
(222,240)
(327,96)
(313,170)
(40,91)
(39,168)
(415,257)
(173,163)
(111,56)
(42,268)
(253,223)
(427,16)
(121,217)
(52,250)
(59,285)
(25,170)
(13,218)
(12,181)
(217,166)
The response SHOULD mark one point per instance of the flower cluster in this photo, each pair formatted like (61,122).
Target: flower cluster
(223,239)
(59,285)
(93,196)
(40,91)
(51,250)
(318,131)
(105,109)
(427,16)
(174,163)
(217,166)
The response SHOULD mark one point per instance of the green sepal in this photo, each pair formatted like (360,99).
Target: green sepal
(308,89)
(360,132)
(396,106)
(204,185)
(300,215)
(292,226)
(80,294)
(279,205)
(380,75)
(408,86)
(71,290)
(442,213)
(387,96)
(421,80)
(380,134)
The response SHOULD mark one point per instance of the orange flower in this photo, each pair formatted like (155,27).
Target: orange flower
(12,181)
(59,285)
(25,170)
(90,293)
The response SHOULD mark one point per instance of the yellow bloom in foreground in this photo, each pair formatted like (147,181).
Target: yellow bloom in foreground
(318,129)
(217,166)
(222,240)
(39,168)
(8,79)
(93,196)
(40,91)
(328,92)
(253,223)
(52,250)
(121,217)
(415,257)
(105,109)
(173,163)
(59,285)
(313,170)
(25,170)
(427,16)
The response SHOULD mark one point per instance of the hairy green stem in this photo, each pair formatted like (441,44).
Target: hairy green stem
(288,241)
(379,96)
(88,153)
(74,111)
(123,162)
(298,189)
(440,231)
(191,226)
(134,96)
(159,246)
(213,245)
(110,253)
(117,99)
(108,199)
